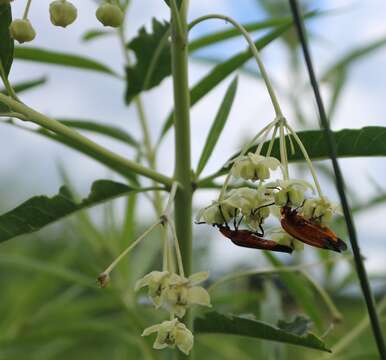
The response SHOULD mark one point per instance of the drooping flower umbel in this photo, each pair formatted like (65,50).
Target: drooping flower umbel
(250,206)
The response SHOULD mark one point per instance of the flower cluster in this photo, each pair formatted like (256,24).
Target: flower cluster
(64,13)
(251,205)
(176,294)
(168,289)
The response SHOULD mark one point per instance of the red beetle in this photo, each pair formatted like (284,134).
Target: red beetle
(251,240)
(310,232)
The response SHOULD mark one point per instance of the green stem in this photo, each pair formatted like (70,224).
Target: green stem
(340,184)
(26,10)
(7,84)
(283,151)
(307,158)
(129,248)
(120,164)
(254,51)
(183,200)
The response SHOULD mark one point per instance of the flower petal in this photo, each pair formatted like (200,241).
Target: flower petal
(198,295)
(151,329)
(184,339)
(198,277)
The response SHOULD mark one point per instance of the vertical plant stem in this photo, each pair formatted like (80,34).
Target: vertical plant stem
(183,200)
(361,271)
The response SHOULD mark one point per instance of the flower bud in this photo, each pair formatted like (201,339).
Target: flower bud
(243,168)
(110,15)
(62,13)
(327,217)
(262,172)
(296,197)
(281,198)
(22,30)
(309,208)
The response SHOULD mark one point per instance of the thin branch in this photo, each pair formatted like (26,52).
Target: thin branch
(324,124)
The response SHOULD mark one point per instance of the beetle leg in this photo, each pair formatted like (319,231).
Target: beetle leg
(234,220)
(239,222)
(222,214)
(296,209)
(261,228)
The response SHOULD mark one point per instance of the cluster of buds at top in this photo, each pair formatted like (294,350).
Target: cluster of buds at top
(251,205)
(64,13)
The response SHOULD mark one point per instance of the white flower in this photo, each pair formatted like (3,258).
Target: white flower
(170,334)
(255,219)
(283,238)
(216,213)
(254,167)
(290,192)
(157,282)
(320,209)
(174,292)
(182,293)
(244,199)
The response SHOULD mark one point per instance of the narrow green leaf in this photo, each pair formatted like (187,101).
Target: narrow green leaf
(299,289)
(368,141)
(26,85)
(298,326)
(153,53)
(40,211)
(53,269)
(59,58)
(221,72)
(79,147)
(103,129)
(94,34)
(178,2)
(338,85)
(6,42)
(350,58)
(216,323)
(149,54)
(217,126)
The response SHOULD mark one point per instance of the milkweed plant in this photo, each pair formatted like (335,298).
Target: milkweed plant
(258,183)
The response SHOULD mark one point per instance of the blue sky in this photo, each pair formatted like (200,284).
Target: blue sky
(29,162)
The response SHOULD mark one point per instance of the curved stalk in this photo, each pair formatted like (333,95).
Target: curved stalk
(120,164)
(283,152)
(307,158)
(254,51)
(26,10)
(7,84)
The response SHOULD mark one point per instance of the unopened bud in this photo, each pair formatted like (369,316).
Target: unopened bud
(281,197)
(22,30)
(110,15)
(296,197)
(62,13)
